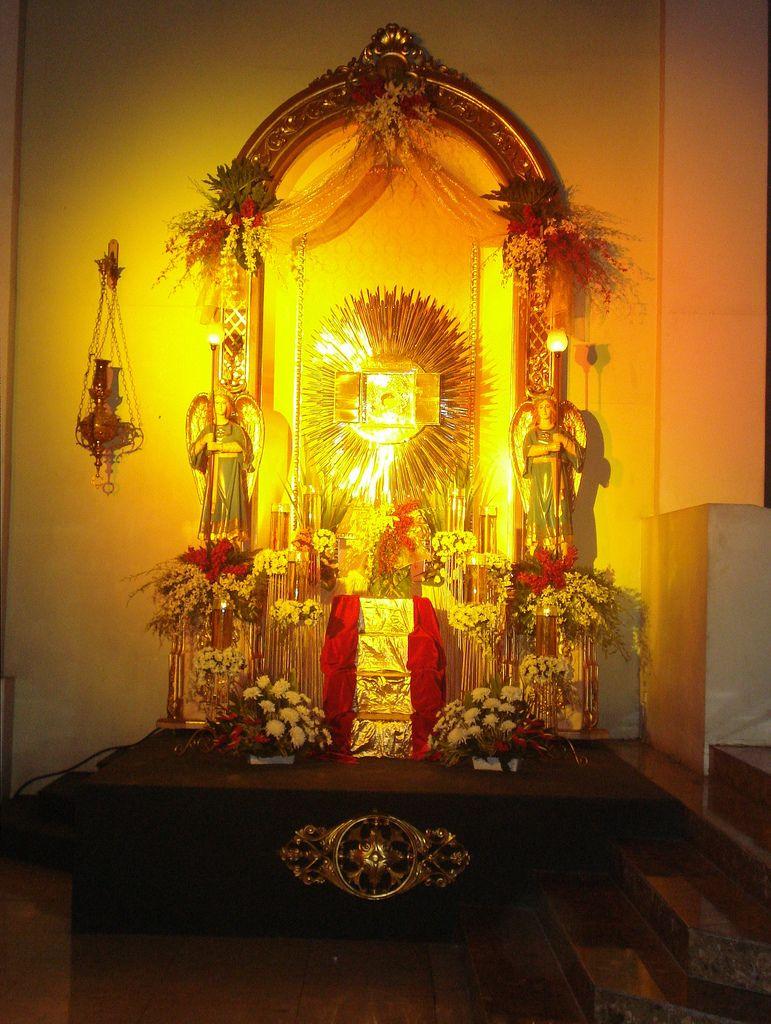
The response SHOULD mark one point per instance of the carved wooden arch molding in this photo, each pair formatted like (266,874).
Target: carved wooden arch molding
(324,106)
(461,104)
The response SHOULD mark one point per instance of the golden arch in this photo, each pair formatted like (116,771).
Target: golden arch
(464,108)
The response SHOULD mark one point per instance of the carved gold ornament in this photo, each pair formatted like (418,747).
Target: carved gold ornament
(375,857)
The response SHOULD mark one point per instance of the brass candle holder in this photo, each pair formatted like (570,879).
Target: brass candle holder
(98,428)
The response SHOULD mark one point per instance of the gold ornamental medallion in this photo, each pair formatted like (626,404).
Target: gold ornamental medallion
(375,857)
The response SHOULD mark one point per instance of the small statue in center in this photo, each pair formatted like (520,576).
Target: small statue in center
(548,443)
(224,442)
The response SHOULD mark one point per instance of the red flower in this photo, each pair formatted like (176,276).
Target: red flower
(396,537)
(216,560)
(303,539)
(247,207)
(530,225)
(368,90)
(412,103)
(552,570)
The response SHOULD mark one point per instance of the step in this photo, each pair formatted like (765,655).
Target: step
(713,928)
(746,769)
(515,976)
(620,969)
(729,829)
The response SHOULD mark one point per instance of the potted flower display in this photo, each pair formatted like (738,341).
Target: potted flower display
(492,726)
(271,723)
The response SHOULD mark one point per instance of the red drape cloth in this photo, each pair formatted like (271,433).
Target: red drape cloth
(425,662)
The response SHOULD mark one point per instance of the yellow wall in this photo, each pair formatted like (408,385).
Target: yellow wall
(126,104)
(714,159)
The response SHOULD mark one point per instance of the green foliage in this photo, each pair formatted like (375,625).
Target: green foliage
(232,184)
(435,503)
(543,197)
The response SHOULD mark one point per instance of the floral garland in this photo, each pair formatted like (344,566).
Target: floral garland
(547,236)
(269,719)
(291,614)
(392,114)
(212,242)
(490,722)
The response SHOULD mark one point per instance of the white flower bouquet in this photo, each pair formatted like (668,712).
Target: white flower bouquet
(209,662)
(271,562)
(270,719)
(392,114)
(537,671)
(446,543)
(291,614)
(479,621)
(325,543)
(490,722)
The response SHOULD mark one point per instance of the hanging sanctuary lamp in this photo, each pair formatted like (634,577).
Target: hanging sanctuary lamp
(105,435)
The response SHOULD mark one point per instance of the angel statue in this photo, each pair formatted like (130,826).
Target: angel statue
(225,437)
(547,449)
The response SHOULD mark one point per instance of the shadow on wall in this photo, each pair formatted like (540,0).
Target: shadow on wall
(596,474)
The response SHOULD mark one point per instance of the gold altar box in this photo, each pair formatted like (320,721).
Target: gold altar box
(388,616)
(381,653)
(382,695)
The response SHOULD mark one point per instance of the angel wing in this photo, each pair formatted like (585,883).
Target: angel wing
(198,418)
(250,418)
(522,422)
(572,423)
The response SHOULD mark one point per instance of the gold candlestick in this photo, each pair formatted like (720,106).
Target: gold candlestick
(487,530)
(279,527)
(311,509)
(456,510)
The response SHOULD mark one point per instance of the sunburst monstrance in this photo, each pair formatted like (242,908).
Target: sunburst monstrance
(386,397)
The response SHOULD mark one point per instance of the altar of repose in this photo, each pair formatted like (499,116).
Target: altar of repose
(192,843)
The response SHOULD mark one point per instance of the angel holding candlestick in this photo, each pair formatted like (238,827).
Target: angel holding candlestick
(547,447)
(224,442)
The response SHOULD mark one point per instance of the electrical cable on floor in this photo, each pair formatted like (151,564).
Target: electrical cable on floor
(74,767)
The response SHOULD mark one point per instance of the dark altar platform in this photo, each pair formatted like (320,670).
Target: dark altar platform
(189,843)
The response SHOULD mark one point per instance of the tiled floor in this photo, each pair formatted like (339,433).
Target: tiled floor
(48,976)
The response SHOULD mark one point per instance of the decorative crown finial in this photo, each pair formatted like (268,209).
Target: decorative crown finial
(394,46)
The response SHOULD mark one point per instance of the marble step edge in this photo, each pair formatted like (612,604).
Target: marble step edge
(742,860)
(476,962)
(610,1004)
(751,780)
(736,960)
